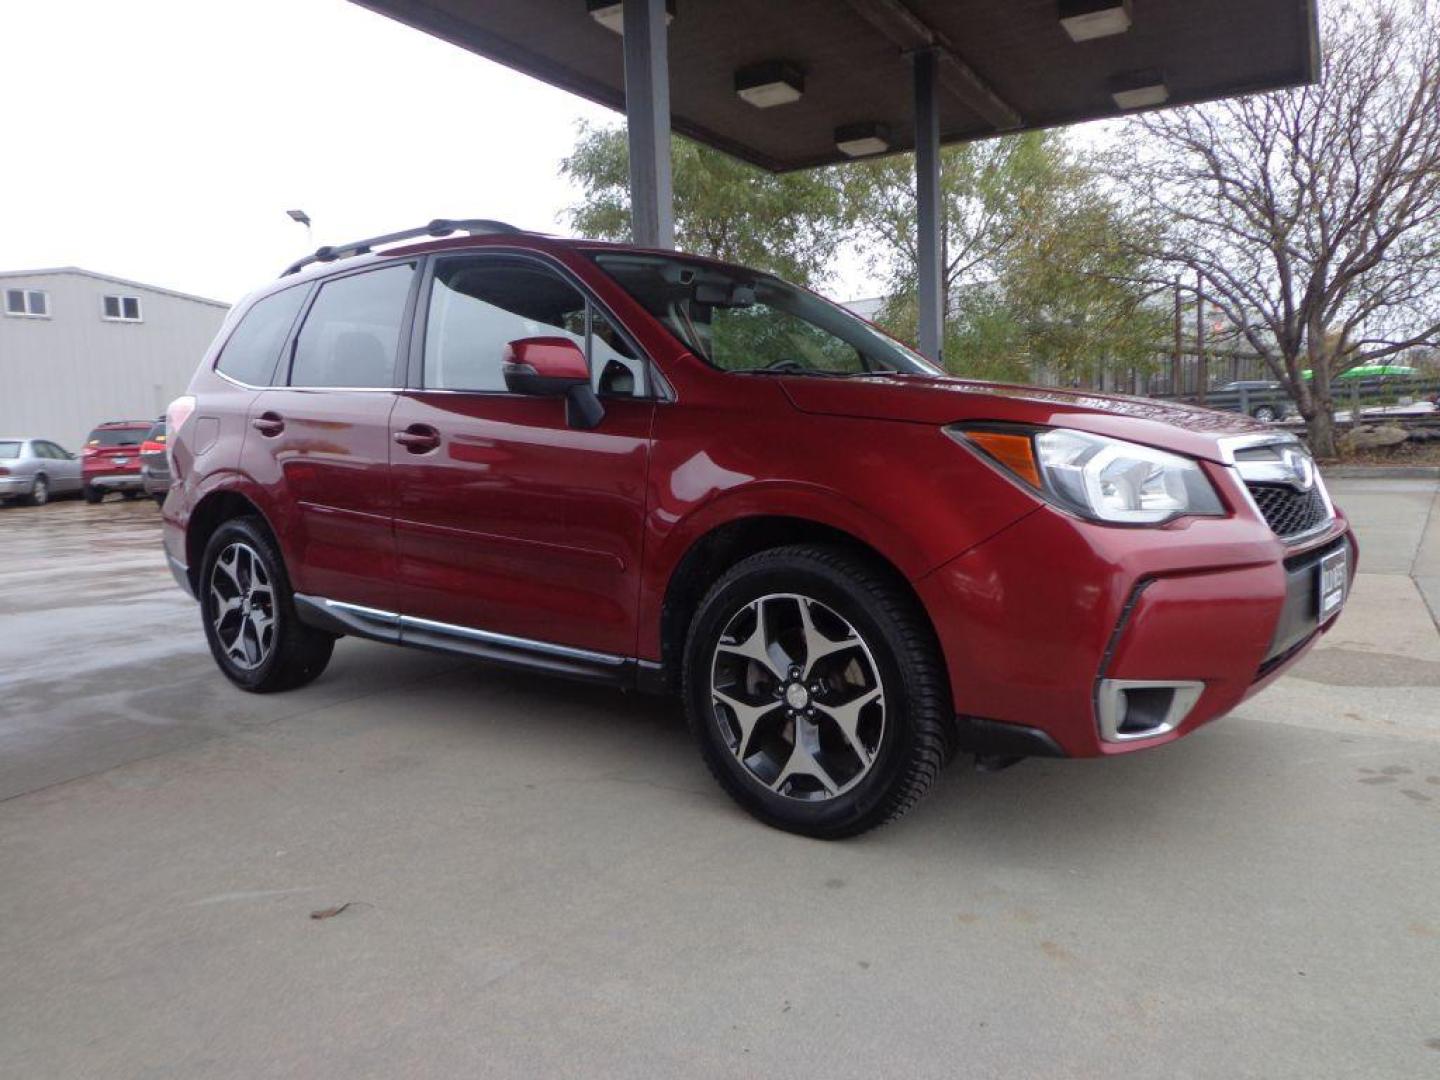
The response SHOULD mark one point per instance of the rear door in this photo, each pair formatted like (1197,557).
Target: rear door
(64,470)
(319,442)
(510,521)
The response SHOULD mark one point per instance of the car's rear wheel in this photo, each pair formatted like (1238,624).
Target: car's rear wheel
(93,494)
(816,691)
(249,613)
(1266,413)
(40,491)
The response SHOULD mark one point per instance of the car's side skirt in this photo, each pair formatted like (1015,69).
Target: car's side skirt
(339,617)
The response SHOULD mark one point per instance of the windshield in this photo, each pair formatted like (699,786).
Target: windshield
(9,449)
(741,320)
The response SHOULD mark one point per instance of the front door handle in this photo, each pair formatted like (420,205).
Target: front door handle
(418,438)
(269,424)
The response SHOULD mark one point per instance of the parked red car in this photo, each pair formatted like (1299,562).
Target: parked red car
(647,469)
(110,459)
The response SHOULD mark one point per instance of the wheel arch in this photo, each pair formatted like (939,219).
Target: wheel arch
(212,511)
(714,552)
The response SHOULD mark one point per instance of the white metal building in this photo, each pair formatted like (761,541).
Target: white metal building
(78,348)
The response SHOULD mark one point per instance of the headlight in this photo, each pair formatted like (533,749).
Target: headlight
(1097,477)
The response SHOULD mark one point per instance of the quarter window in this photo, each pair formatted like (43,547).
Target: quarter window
(350,335)
(254,347)
(122,308)
(32,302)
(479,305)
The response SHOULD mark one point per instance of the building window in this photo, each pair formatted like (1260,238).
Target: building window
(29,302)
(122,308)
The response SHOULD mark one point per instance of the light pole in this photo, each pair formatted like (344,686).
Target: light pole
(304,219)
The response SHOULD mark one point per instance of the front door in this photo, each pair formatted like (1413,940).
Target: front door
(321,443)
(507,520)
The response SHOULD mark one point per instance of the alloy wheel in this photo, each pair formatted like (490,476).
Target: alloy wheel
(797,697)
(40,493)
(243,605)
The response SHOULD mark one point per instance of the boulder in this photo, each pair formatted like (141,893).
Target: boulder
(1373,436)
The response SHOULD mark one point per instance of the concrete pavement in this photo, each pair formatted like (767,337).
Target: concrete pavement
(543,881)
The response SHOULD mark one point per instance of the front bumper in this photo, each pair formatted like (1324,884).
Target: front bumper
(1056,620)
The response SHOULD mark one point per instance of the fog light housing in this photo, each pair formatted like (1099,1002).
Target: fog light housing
(1130,709)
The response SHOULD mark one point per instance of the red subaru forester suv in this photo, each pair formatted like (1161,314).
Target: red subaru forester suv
(659,471)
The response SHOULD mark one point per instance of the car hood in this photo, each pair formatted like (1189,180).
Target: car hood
(935,399)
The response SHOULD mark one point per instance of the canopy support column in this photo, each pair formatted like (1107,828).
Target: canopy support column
(929,235)
(647,118)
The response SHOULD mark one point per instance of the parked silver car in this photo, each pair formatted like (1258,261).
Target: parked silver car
(36,469)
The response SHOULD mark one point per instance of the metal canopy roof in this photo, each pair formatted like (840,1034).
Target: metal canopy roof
(1003,65)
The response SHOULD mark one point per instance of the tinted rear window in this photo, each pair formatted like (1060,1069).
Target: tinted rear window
(116,436)
(9,449)
(254,347)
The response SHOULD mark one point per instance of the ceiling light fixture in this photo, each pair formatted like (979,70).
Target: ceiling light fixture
(611,15)
(771,83)
(1087,19)
(1139,90)
(861,140)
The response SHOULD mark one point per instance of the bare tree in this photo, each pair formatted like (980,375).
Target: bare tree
(1312,216)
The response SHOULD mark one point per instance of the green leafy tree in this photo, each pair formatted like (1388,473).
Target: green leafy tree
(790,224)
(1040,274)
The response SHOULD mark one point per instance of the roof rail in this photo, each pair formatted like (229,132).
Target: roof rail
(438,227)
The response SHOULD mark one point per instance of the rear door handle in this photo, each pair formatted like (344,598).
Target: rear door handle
(418,438)
(269,423)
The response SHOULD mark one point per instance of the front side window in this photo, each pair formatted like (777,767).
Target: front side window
(34,302)
(122,308)
(353,329)
(478,305)
(253,350)
(740,320)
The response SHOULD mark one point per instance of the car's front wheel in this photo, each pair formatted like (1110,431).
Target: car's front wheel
(815,688)
(249,613)
(1266,413)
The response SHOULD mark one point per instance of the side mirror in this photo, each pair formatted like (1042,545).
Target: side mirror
(553,367)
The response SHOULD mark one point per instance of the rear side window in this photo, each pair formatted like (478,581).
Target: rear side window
(9,449)
(253,349)
(352,331)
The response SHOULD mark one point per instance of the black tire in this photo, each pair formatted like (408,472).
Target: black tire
(159,498)
(129,495)
(92,494)
(915,741)
(1266,413)
(39,491)
(297,653)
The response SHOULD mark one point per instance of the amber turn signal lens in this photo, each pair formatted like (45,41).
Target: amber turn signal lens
(1015,452)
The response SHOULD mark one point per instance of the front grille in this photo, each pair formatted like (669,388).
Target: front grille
(1289,512)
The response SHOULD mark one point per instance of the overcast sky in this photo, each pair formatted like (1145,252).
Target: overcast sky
(163,140)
